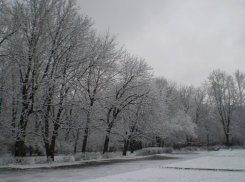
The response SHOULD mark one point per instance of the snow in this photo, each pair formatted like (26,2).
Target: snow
(57,162)
(225,160)
(174,175)
(37,166)
(222,160)
(184,168)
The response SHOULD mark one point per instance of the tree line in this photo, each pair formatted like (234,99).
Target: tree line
(66,88)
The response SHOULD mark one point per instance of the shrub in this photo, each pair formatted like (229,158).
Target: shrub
(236,147)
(40,160)
(168,150)
(152,151)
(91,155)
(66,158)
(110,155)
(15,160)
(189,149)
(23,160)
(78,156)
(7,160)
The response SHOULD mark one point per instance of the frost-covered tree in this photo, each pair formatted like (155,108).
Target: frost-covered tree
(43,54)
(237,127)
(101,71)
(9,23)
(186,94)
(222,90)
(127,88)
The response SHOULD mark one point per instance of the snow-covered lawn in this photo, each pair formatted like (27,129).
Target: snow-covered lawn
(224,159)
(201,166)
(59,161)
(174,175)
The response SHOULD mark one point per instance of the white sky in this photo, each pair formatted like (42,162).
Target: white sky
(184,41)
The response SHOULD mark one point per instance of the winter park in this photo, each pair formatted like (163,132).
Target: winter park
(122,91)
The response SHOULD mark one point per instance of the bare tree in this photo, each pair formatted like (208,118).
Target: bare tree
(199,96)
(69,35)
(186,97)
(223,92)
(239,117)
(131,124)
(101,70)
(126,90)
(27,48)
(9,23)
(45,52)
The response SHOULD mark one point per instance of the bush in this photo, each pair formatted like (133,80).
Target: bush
(23,160)
(91,155)
(236,147)
(78,156)
(223,147)
(110,155)
(189,149)
(96,155)
(168,150)
(87,156)
(213,148)
(152,151)
(66,158)
(15,160)
(7,160)
(40,160)
(35,160)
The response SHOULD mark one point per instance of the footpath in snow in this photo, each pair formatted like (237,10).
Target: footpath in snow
(223,166)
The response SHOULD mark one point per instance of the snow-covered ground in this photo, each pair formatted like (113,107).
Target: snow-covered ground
(214,168)
(224,160)
(183,168)
(174,175)
(58,161)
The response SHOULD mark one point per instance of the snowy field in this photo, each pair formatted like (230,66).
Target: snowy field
(174,175)
(215,166)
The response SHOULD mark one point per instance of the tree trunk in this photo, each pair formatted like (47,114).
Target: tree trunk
(47,148)
(52,146)
(125,147)
(14,112)
(55,131)
(1,91)
(159,141)
(132,146)
(54,136)
(20,148)
(46,131)
(14,109)
(227,134)
(106,144)
(208,143)
(21,134)
(85,138)
(20,142)
(75,145)
(227,137)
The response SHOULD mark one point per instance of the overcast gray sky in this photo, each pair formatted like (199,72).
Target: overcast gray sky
(183,40)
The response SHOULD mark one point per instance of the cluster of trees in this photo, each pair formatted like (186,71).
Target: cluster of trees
(66,88)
